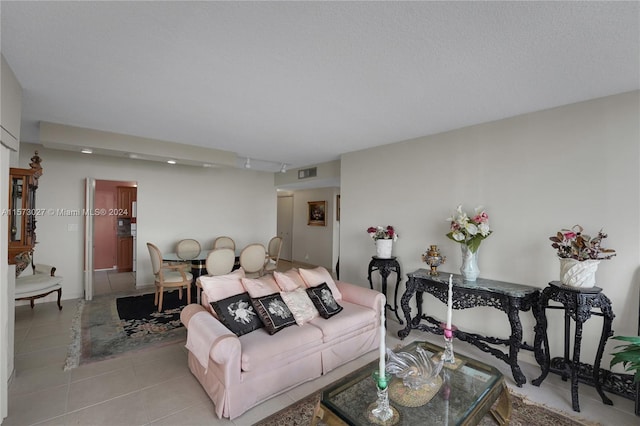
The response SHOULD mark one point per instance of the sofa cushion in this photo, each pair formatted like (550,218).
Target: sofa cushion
(262,351)
(289,280)
(237,314)
(300,305)
(273,312)
(259,287)
(316,276)
(222,286)
(352,318)
(323,300)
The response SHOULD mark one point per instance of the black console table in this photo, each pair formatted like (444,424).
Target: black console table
(507,297)
(385,267)
(577,303)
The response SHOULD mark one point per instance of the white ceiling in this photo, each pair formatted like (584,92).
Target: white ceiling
(302,82)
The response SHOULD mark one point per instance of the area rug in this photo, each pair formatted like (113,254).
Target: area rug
(107,327)
(523,413)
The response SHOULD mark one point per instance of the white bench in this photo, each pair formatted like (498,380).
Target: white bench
(41,283)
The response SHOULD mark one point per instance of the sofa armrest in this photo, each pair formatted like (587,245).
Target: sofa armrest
(361,295)
(225,349)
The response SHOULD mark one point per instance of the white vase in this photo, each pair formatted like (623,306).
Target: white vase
(469,268)
(578,273)
(383,248)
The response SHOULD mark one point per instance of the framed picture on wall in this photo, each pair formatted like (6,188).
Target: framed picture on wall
(317,213)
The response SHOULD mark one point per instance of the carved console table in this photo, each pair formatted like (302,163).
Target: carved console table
(507,297)
(577,303)
(385,267)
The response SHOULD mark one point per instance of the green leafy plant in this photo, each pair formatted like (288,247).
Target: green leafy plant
(628,356)
(575,244)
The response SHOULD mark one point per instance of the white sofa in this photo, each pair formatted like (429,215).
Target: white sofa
(244,371)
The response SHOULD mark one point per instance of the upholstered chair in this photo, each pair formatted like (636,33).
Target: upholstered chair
(220,261)
(188,249)
(168,276)
(252,259)
(273,254)
(224,242)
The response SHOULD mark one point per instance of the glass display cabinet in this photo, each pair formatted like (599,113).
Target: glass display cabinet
(22,212)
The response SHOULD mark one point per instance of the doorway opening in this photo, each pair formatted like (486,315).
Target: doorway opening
(114,237)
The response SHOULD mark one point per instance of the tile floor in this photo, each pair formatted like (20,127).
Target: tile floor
(156,388)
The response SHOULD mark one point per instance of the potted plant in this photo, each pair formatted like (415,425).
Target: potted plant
(383,238)
(629,357)
(579,255)
(469,231)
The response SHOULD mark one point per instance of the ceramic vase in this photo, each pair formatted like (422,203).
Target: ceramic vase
(383,248)
(469,269)
(578,273)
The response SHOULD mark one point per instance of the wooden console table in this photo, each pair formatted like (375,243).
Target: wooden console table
(507,297)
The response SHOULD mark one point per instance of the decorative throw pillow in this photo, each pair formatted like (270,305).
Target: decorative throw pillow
(222,286)
(273,312)
(300,305)
(323,300)
(258,287)
(237,314)
(22,261)
(316,276)
(289,280)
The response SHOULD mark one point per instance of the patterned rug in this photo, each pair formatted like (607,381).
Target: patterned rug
(523,413)
(107,327)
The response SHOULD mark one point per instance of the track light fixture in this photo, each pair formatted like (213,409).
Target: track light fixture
(283,169)
(247,164)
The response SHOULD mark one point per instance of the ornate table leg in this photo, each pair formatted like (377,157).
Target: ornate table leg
(406,309)
(576,365)
(607,313)
(541,344)
(395,294)
(515,341)
(369,275)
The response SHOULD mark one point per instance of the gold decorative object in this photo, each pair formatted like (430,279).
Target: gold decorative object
(433,258)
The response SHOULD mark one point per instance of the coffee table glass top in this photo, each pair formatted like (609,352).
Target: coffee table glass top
(471,388)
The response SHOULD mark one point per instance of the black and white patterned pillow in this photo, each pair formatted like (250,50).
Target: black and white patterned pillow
(273,312)
(237,314)
(323,300)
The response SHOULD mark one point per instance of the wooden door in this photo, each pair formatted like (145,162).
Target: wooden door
(104,229)
(285,226)
(125,254)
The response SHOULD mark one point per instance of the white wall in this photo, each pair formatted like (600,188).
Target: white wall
(174,202)
(535,174)
(314,244)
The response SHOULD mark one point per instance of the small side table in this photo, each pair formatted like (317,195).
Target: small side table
(577,303)
(385,267)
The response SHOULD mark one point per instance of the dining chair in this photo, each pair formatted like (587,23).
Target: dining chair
(219,262)
(188,249)
(224,242)
(273,254)
(252,259)
(168,276)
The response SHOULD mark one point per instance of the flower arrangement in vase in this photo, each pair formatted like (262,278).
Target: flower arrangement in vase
(469,231)
(579,255)
(383,238)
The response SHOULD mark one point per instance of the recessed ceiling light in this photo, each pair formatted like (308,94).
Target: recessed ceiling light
(171,161)
(86,151)
(207,165)
(133,156)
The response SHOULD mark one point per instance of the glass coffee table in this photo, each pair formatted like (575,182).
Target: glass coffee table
(467,394)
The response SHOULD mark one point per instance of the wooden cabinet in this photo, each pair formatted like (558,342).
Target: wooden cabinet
(126,197)
(22,213)
(125,254)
